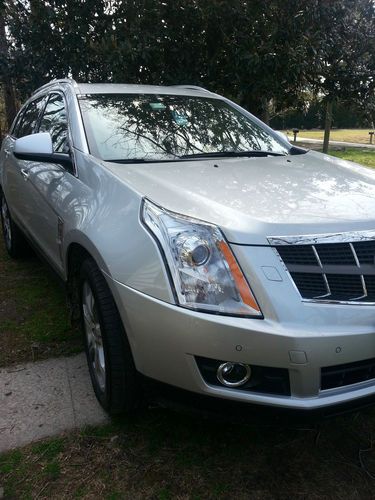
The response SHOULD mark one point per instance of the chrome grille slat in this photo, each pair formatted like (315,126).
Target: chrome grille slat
(324,275)
(362,277)
(366,269)
(330,272)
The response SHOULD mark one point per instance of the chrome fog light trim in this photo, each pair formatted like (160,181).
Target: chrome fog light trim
(226,369)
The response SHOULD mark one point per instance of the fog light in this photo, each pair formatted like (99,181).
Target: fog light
(233,374)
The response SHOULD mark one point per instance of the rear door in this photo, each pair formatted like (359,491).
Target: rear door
(15,172)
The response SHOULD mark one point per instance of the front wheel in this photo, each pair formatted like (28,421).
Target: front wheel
(112,370)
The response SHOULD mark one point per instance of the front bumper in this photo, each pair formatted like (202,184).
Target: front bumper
(166,339)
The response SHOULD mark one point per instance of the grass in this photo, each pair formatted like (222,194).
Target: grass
(34,318)
(166,455)
(365,157)
(345,135)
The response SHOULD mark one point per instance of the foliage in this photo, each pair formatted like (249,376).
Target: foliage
(341,48)
(346,114)
(261,53)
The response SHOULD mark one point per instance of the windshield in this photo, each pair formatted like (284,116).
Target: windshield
(149,127)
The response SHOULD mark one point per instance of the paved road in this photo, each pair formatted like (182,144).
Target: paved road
(44,399)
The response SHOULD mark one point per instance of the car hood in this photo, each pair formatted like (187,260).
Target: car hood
(255,198)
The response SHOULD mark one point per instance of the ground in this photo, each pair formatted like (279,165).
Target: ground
(167,455)
(34,319)
(163,454)
(346,135)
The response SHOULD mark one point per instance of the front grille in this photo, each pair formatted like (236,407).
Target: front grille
(342,272)
(351,373)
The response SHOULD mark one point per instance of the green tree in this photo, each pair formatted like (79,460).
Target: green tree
(264,54)
(8,96)
(341,52)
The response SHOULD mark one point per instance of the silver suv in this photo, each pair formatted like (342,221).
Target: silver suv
(199,246)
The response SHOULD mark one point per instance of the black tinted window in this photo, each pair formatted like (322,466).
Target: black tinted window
(54,121)
(29,119)
(16,125)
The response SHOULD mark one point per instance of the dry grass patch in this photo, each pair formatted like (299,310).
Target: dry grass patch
(164,455)
(346,135)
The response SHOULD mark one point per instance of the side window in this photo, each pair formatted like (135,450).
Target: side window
(16,126)
(55,121)
(29,119)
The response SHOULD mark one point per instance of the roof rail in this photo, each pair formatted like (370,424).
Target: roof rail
(56,80)
(191,87)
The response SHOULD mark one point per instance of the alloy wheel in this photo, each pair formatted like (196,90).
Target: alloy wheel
(93,336)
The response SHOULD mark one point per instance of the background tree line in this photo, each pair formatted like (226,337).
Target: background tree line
(271,56)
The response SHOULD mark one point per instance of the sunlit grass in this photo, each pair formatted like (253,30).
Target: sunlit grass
(345,135)
(365,157)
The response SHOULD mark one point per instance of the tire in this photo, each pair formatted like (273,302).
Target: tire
(111,365)
(15,242)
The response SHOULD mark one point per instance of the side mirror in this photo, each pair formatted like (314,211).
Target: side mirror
(38,148)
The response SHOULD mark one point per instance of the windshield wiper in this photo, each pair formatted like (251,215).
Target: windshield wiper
(232,154)
(215,154)
(138,160)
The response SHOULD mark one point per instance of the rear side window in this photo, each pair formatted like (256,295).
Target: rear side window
(16,126)
(55,121)
(29,118)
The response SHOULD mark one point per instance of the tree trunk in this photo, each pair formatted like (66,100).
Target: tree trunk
(328,125)
(265,111)
(8,91)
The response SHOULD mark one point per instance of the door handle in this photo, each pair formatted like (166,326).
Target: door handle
(25,174)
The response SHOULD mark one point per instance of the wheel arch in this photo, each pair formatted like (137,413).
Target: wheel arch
(78,249)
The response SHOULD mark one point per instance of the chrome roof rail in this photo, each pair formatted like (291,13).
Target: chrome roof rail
(191,87)
(57,80)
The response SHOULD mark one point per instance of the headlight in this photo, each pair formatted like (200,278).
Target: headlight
(204,271)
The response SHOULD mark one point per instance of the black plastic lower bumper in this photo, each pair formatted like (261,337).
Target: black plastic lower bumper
(223,409)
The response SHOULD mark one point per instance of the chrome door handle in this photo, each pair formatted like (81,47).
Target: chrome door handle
(25,174)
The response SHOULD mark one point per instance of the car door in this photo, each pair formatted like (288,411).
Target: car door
(52,184)
(15,172)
